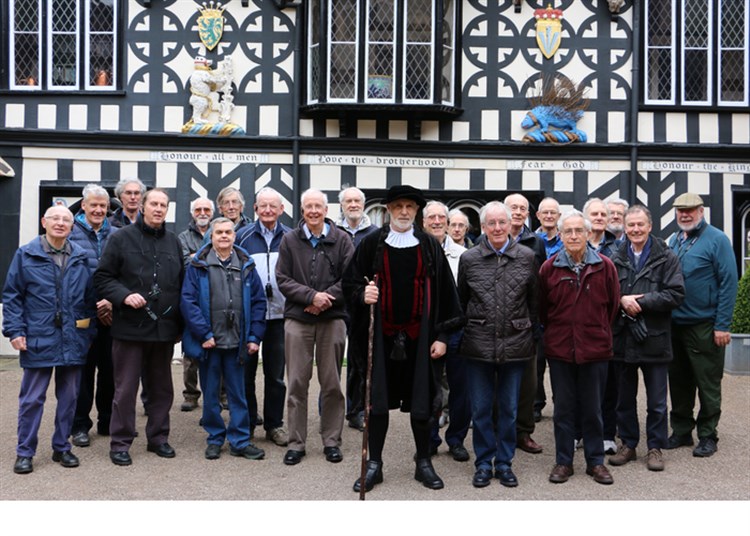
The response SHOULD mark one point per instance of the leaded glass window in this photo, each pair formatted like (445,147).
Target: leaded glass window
(381,52)
(696,52)
(63,45)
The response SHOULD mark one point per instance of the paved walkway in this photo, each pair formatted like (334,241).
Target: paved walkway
(189,477)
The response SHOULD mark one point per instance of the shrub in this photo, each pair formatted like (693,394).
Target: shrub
(741,317)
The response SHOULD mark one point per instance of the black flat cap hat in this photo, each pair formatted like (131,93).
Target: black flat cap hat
(404,191)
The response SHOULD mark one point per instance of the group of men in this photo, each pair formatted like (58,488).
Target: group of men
(460,324)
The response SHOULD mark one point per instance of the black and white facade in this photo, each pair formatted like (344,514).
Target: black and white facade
(372,93)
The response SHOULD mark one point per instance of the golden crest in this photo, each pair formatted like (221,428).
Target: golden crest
(548,30)
(211,24)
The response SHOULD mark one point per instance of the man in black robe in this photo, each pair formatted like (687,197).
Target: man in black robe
(416,307)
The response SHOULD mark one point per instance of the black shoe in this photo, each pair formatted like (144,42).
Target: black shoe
(676,441)
(706,447)
(333,454)
(120,458)
(66,459)
(482,478)
(293,457)
(80,439)
(459,453)
(23,465)
(506,477)
(163,451)
(373,475)
(258,420)
(357,422)
(213,452)
(426,474)
(250,452)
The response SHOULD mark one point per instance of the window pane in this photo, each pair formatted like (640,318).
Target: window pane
(381,52)
(659,70)
(696,24)
(64,63)
(342,78)
(696,76)
(63,40)
(25,43)
(446,82)
(64,15)
(101,44)
(733,51)
(102,16)
(101,59)
(418,59)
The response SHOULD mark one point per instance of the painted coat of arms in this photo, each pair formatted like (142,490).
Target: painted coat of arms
(211,24)
(548,30)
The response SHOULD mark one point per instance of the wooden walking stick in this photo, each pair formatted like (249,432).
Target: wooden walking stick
(368,379)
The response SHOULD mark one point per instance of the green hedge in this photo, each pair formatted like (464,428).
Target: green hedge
(741,318)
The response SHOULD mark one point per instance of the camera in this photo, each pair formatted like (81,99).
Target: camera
(58,319)
(229,317)
(269,291)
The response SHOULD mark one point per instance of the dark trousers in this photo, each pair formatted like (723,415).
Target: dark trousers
(459,406)
(698,365)
(540,400)
(31,398)
(577,391)
(129,360)
(97,385)
(655,380)
(525,421)
(609,404)
(274,389)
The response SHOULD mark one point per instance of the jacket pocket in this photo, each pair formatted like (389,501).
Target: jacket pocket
(656,344)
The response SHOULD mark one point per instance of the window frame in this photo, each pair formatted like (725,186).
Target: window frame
(678,47)
(319,61)
(84,82)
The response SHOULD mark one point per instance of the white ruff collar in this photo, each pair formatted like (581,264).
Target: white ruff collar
(403,240)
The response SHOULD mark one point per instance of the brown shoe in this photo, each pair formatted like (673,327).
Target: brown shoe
(526,444)
(655,462)
(601,474)
(560,474)
(624,455)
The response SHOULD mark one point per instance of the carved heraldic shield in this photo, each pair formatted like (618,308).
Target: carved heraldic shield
(548,30)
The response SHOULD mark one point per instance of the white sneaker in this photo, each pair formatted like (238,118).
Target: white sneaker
(610,447)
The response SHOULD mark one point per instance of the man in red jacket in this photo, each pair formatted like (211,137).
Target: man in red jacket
(579,298)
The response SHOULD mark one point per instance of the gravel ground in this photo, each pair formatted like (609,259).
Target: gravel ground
(161,485)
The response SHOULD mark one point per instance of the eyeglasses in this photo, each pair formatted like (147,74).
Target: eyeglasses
(570,232)
(458,225)
(207,210)
(57,219)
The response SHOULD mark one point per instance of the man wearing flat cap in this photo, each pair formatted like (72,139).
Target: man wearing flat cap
(700,326)
(404,272)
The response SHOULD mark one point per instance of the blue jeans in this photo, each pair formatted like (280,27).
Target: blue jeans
(224,363)
(494,391)
(655,380)
(274,389)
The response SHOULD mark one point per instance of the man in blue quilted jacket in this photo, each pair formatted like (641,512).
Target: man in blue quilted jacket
(49,317)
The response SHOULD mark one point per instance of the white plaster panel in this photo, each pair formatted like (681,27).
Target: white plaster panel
(110,117)
(366,129)
(47,116)
(496,179)
(588,124)
(531,180)
(563,181)
(698,183)
(128,169)
(140,117)
(709,128)
(333,128)
(646,127)
(306,127)
(430,130)
(173,118)
(417,177)
(460,131)
(269,121)
(325,177)
(166,174)
(616,127)
(87,171)
(78,117)
(14,115)
(490,121)
(397,130)
(457,179)
(741,128)
(676,128)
